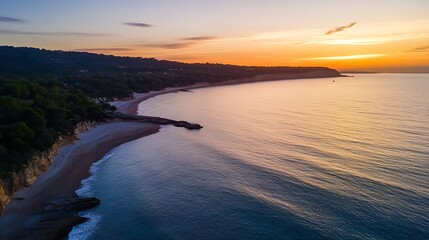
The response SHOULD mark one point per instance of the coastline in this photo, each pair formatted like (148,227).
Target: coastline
(64,176)
(72,163)
(131,106)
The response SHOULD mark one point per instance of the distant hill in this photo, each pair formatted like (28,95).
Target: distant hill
(113,77)
(25,60)
(45,94)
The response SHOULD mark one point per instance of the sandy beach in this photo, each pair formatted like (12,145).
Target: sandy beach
(72,163)
(69,168)
(131,106)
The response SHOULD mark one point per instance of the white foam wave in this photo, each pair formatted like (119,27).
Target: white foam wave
(84,231)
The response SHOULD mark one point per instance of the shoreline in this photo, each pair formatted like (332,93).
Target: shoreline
(131,106)
(73,161)
(64,176)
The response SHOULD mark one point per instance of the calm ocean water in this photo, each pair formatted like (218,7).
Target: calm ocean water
(296,159)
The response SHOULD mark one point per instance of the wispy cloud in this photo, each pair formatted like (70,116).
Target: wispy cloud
(421,49)
(137,24)
(103,49)
(201,38)
(175,45)
(349,57)
(11,20)
(340,29)
(181,43)
(80,34)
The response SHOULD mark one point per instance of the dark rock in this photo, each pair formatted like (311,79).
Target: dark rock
(190,126)
(156,120)
(58,216)
(70,204)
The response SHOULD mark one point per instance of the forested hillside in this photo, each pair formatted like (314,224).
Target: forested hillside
(33,114)
(102,76)
(44,94)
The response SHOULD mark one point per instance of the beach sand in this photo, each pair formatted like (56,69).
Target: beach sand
(69,168)
(72,165)
(73,162)
(131,106)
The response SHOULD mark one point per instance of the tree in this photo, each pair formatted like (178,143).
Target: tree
(33,119)
(20,130)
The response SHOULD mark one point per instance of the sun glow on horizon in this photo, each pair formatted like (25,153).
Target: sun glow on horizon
(206,31)
(350,57)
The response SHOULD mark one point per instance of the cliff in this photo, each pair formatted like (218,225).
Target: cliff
(40,163)
(37,166)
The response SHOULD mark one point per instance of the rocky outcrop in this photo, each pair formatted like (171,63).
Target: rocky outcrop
(156,120)
(57,217)
(38,165)
(187,125)
(75,204)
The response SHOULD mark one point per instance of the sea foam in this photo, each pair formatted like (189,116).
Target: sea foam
(84,231)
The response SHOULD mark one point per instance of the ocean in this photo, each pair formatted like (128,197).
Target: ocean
(293,159)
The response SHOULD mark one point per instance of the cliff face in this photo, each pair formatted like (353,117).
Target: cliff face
(37,166)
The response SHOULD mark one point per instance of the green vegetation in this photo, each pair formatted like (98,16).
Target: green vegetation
(108,77)
(44,94)
(33,114)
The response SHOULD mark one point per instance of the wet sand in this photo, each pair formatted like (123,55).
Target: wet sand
(73,162)
(64,176)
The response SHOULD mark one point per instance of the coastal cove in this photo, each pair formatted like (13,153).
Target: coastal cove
(213,120)
(294,159)
(63,177)
(71,165)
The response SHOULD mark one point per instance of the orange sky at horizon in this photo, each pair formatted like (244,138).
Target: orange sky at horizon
(382,34)
(398,45)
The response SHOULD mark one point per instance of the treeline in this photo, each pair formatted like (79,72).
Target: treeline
(34,113)
(44,94)
(109,77)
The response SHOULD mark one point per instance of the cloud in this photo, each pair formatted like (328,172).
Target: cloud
(340,29)
(134,24)
(103,49)
(11,20)
(202,38)
(80,34)
(349,57)
(421,49)
(181,43)
(175,45)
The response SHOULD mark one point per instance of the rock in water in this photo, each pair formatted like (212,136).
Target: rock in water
(70,204)
(57,217)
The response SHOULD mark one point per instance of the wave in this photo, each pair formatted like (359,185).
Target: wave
(85,230)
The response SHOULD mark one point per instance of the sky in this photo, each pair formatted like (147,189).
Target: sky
(346,35)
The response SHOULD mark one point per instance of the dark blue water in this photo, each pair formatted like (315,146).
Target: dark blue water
(300,159)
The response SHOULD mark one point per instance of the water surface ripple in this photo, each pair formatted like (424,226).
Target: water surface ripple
(296,159)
